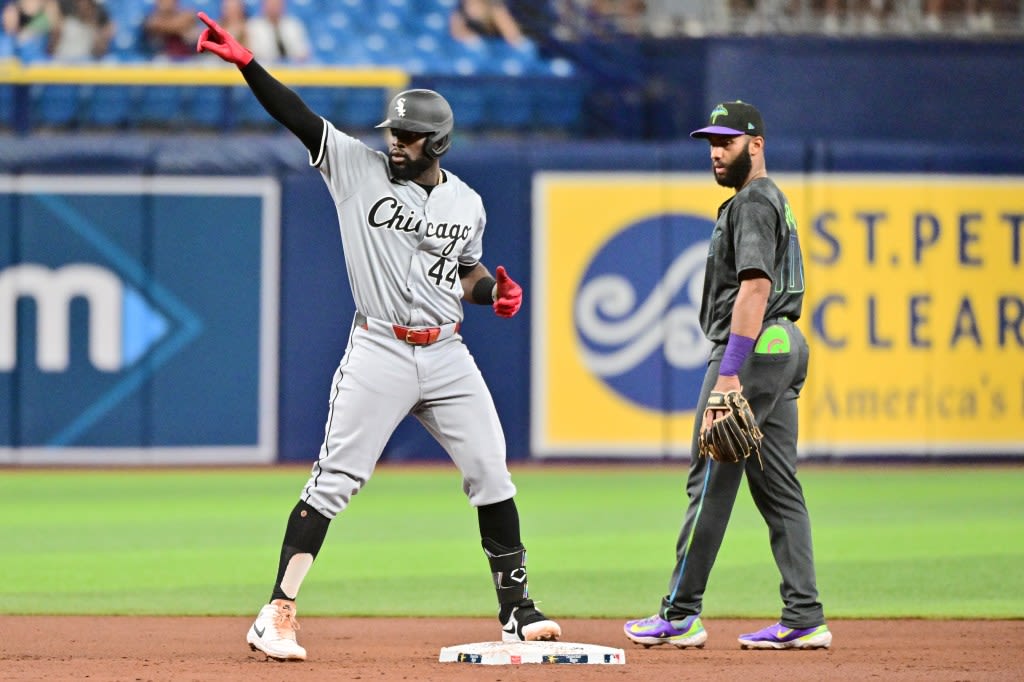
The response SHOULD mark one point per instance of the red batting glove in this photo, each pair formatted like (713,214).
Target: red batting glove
(509,294)
(218,41)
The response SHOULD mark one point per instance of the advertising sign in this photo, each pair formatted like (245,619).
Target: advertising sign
(914,311)
(138,319)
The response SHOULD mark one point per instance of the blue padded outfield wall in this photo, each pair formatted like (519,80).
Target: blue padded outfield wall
(182,298)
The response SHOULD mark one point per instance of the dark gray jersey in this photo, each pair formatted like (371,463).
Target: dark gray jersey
(755,230)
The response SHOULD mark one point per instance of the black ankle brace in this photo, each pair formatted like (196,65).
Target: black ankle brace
(508,568)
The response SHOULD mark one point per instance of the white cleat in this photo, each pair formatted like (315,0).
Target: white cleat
(273,633)
(527,624)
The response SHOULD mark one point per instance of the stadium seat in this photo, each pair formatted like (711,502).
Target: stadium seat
(384,49)
(561,107)
(390,22)
(127,16)
(512,60)
(6,46)
(54,105)
(159,105)
(434,22)
(322,101)
(211,7)
(429,56)
(469,105)
(510,103)
(310,12)
(361,107)
(469,59)
(245,110)
(205,105)
(31,51)
(6,105)
(109,106)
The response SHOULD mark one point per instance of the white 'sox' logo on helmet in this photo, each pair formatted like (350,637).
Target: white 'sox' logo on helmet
(400,107)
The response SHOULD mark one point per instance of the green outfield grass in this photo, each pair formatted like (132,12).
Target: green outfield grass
(890,542)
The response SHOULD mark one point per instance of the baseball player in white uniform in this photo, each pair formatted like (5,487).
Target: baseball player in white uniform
(412,236)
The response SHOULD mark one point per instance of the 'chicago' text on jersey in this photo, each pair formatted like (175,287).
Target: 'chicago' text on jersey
(389,213)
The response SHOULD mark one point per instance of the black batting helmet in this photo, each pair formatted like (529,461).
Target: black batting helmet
(422,111)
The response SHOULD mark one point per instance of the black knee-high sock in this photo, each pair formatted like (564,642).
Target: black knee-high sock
(304,534)
(499,522)
(499,535)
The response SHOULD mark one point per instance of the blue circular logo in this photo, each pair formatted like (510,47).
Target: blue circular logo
(637,312)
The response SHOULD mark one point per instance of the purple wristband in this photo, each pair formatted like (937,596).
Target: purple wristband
(736,351)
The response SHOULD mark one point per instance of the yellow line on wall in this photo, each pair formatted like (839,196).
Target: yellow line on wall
(173,74)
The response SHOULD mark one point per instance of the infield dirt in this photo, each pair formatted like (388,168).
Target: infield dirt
(194,648)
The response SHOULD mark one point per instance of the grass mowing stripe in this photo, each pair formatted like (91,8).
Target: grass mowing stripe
(890,542)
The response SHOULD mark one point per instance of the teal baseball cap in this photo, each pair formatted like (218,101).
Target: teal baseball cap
(732,118)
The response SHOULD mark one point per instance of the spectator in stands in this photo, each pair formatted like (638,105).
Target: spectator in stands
(170,31)
(84,32)
(31,22)
(276,36)
(861,16)
(933,16)
(981,16)
(627,16)
(233,18)
(474,20)
(666,18)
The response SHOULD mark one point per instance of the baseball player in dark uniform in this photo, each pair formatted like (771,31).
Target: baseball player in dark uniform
(412,235)
(753,292)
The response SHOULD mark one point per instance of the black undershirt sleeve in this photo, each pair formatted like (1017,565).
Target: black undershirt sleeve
(285,105)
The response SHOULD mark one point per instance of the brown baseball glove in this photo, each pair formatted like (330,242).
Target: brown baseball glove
(733,435)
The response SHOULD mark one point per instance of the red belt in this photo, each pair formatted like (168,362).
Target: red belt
(414,336)
(418,336)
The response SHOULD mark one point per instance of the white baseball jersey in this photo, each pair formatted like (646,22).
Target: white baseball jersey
(403,249)
(402,246)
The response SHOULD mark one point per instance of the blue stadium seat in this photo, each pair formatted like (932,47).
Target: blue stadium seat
(557,66)
(429,56)
(309,11)
(344,25)
(496,57)
(32,51)
(361,107)
(323,101)
(561,107)
(159,105)
(245,110)
(444,6)
(432,21)
(391,21)
(340,37)
(127,16)
(469,59)
(6,105)
(386,49)
(469,104)
(54,105)
(205,105)
(109,106)
(510,103)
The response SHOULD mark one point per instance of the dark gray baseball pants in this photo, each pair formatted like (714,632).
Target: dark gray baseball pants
(771,384)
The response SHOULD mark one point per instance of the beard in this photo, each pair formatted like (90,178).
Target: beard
(411,169)
(737,172)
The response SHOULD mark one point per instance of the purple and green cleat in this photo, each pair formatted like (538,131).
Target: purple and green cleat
(656,630)
(778,636)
